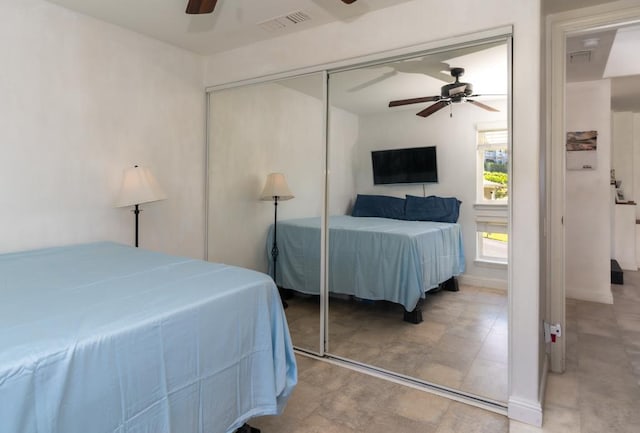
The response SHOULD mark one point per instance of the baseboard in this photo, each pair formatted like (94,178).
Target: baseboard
(543,379)
(492,283)
(602,297)
(628,266)
(528,412)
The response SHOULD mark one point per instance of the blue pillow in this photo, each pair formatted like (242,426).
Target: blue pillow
(381,206)
(432,208)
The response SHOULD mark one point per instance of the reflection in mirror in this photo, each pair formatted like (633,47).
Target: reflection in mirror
(257,131)
(417,264)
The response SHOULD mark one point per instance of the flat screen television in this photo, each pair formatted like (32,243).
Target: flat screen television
(414,165)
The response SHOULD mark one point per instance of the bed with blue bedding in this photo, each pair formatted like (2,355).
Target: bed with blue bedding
(107,338)
(370,258)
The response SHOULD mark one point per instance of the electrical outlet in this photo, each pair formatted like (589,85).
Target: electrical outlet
(547,332)
(551,332)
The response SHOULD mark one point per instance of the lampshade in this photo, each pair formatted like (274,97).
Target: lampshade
(276,186)
(139,186)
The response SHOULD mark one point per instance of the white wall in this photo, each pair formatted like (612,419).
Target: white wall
(636,158)
(422,21)
(344,133)
(256,130)
(625,147)
(588,197)
(455,141)
(626,153)
(622,151)
(636,161)
(81,101)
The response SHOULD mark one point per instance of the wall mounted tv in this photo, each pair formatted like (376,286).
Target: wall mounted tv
(414,165)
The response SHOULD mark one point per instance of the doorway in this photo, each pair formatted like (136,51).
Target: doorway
(561,28)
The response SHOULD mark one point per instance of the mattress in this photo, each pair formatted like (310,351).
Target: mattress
(108,338)
(371,258)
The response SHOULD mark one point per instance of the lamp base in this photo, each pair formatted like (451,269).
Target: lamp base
(137,211)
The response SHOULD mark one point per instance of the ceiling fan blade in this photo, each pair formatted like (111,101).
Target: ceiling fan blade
(434,65)
(481,105)
(413,101)
(501,95)
(195,7)
(431,67)
(433,108)
(348,1)
(372,81)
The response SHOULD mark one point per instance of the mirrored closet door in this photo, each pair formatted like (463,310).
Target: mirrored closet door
(416,156)
(266,164)
(418,202)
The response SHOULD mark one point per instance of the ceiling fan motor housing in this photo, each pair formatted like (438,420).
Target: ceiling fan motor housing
(457,90)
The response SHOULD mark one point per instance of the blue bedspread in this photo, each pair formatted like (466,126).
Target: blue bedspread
(371,258)
(105,338)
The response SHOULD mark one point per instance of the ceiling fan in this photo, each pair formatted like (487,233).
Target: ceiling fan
(196,7)
(432,65)
(449,94)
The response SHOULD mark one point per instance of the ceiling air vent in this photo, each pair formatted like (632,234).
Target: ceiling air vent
(279,23)
(580,56)
(298,17)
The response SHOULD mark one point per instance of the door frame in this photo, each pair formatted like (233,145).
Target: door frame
(558,27)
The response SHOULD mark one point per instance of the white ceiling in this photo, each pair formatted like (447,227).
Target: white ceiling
(623,57)
(232,24)
(610,53)
(238,22)
(587,63)
(369,90)
(235,23)
(555,6)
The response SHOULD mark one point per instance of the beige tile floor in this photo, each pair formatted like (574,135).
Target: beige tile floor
(334,399)
(461,344)
(600,390)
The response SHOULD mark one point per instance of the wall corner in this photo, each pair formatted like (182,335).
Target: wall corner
(526,411)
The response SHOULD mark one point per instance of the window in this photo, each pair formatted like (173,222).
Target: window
(493,165)
(493,240)
(493,247)
(491,209)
